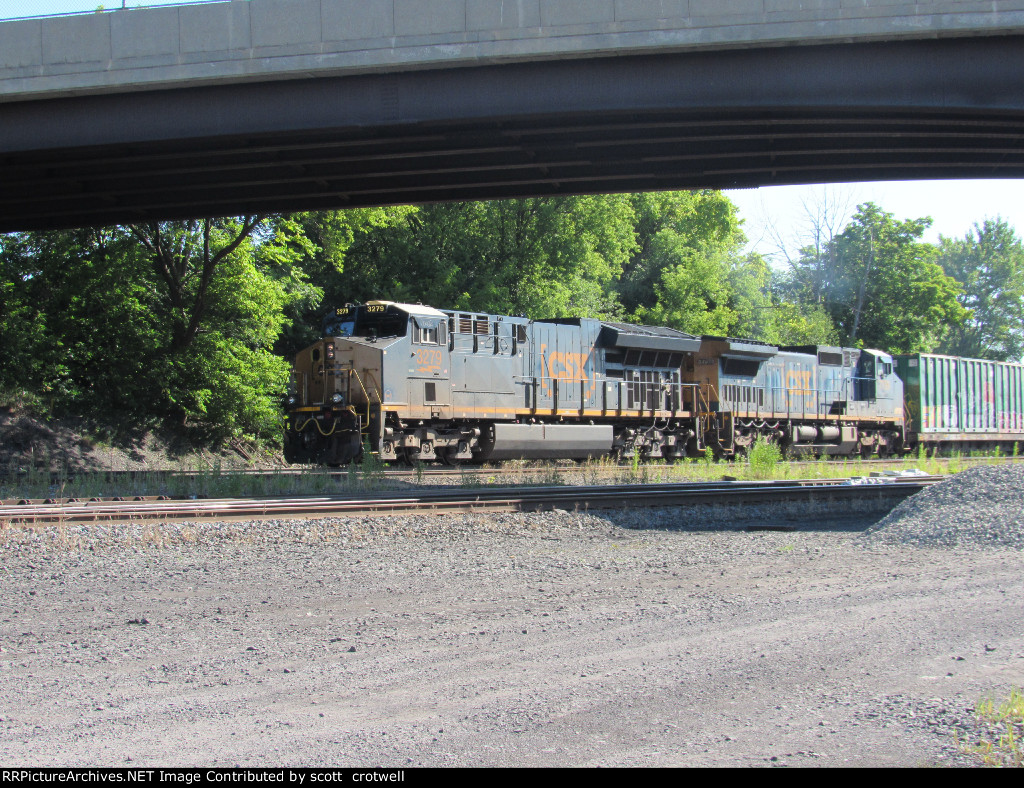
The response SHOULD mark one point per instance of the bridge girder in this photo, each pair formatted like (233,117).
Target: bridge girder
(882,111)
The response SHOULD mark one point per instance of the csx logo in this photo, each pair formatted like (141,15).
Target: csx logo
(564,366)
(798,382)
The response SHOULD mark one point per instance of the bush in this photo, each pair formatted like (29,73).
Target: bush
(764,456)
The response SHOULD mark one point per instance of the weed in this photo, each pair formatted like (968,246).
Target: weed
(1005,748)
(372,469)
(547,476)
(764,456)
(595,470)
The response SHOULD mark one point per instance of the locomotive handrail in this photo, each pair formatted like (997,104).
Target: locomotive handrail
(681,394)
(366,425)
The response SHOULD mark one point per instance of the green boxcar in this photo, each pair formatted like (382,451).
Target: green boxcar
(962,400)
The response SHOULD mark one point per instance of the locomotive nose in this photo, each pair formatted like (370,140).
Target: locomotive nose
(340,360)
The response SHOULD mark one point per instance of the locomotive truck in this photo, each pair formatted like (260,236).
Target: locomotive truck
(414,383)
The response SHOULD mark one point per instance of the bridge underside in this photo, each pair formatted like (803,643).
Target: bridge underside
(949,108)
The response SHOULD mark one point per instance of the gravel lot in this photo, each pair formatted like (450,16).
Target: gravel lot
(639,638)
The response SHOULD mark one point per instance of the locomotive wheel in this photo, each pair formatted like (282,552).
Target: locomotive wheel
(448,455)
(410,457)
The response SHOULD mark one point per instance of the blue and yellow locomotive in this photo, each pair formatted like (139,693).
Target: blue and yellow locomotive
(414,383)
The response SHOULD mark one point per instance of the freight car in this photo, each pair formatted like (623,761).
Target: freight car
(962,403)
(410,382)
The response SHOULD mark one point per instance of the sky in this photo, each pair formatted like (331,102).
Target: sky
(778,216)
(774,216)
(16,9)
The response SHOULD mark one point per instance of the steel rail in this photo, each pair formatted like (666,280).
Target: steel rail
(441,471)
(461,500)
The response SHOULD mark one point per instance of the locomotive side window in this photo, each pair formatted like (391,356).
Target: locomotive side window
(427,334)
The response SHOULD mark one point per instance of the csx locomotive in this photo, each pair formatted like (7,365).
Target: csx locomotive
(410,382)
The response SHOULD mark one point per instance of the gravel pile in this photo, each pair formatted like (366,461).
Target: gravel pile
(982,507)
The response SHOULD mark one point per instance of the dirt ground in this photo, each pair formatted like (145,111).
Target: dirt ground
(27,442)
(506,640)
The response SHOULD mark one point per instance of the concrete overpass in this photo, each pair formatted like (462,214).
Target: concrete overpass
(273,105)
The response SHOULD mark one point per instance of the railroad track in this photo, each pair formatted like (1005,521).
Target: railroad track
(428,471)
(34,514)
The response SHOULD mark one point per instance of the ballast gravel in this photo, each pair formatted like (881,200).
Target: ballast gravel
(645,637)
(980,507)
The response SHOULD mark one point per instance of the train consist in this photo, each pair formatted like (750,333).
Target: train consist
(410,382)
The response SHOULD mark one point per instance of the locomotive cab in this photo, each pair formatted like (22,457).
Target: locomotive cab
(341,383)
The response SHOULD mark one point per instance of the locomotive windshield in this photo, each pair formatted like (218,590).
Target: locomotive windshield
(369,320)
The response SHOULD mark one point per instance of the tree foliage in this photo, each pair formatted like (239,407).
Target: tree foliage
(880,283)
(698,230)
(988,263)
(174,320)
(543,257)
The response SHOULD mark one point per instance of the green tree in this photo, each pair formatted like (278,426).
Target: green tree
(882,286)
(222,308)
(690,271)
(185,256)
(23,319)
(989,265)
(168,320)
(800,324)
(541,256)
(673,229)
(694,290)
(76,319)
